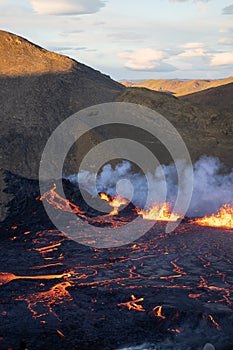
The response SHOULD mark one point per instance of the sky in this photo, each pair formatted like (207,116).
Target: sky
(131,39)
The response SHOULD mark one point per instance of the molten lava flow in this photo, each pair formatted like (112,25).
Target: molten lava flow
(6,277)
(159,212)
(60,333)
(157,312)
(224,218)
(218,327)
(115,202)
(39,302)
(133,304)
(53,198)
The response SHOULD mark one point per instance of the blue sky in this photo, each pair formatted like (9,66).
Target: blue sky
(131,39)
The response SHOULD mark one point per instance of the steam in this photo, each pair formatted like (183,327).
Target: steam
(212,188)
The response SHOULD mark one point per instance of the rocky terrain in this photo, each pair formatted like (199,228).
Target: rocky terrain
(204,130)
(218,99)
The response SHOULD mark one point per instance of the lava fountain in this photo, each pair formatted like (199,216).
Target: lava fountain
(115,202)
(159,212)
(224,218)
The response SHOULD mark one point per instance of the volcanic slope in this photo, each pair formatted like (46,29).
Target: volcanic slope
(38,90)
(205,131)
(219,99)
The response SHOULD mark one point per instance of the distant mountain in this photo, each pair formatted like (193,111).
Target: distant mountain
(178,87)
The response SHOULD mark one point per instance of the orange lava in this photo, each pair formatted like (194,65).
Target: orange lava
(53,198)
(42,303)
(157,312)
(6,277)
(133,304)
(115,202)
(217,326)
(224,218)
(159,212)
(60,333)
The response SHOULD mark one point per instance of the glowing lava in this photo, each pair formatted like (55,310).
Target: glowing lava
(42,303)
(159,212)
(115,202)
(53,198)
(157,312)
(224,218)
(133,304)
(6,277)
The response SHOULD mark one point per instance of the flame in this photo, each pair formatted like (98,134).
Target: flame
(159,212)
(133,304)
(115,202)
(105,197)
(224,218)
(53,198)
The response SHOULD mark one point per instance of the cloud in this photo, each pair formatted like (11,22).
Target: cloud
(228,10)
(222,59)
(193,53)
(66,7)
(226,41)
(194,49)
(194,45)
(146,60)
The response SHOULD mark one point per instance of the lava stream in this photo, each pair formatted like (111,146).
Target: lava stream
(53,198)
(6,277)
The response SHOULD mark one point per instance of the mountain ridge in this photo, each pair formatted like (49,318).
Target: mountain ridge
(179,87)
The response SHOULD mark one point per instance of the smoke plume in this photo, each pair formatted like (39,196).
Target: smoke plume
(212,187)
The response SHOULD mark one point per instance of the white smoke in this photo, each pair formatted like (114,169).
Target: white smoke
(212,188)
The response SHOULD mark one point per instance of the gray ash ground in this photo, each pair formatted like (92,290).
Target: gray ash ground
(81,297)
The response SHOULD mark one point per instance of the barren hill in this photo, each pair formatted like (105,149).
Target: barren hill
(219,99)
(19,57)
(38,90)
(179,87)
(204,131)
